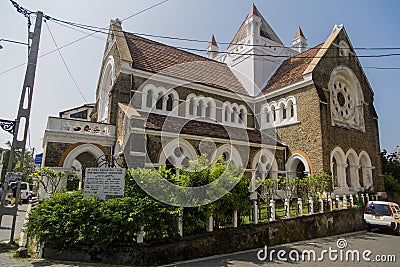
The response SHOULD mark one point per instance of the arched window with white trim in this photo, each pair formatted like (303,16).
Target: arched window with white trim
(159,100)
(149,98)
(106,84)
(177,153)
(276,114)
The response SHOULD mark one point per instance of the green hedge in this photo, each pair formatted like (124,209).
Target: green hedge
(69,220)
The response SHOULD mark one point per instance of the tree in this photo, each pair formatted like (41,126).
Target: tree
(50,180)
(314,185)
(28,166)
(391,171)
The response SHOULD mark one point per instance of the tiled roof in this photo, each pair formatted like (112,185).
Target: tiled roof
(205,129)
(160,58)
(291,69)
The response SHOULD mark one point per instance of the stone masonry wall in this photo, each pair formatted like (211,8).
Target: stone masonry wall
(306,135)
(348,138)
(221,241)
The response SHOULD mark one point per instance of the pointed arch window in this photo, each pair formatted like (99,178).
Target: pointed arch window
(208,110)
(200,108)
(159,104)
(170,102)
(191,107)
(149,99)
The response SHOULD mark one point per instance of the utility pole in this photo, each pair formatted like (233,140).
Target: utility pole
(24,111)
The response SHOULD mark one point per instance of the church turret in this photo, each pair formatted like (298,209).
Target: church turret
(212,49)
(299,42)
(253,24)
(255,52)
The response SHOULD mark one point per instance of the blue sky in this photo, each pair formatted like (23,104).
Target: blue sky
(368,23)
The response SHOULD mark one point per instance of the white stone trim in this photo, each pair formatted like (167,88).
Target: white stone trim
(293,161)
(74,153)
(279,110)
(168,152)
(160,93)
(106,84)
(257,163)
(234,155)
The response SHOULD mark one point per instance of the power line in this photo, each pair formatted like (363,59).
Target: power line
(96,29)
(100,30)
(77,40)
(65,64)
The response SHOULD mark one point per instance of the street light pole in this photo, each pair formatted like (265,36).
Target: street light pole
(24,110)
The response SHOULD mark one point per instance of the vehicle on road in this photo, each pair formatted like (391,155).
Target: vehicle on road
(25,191)
(382,215)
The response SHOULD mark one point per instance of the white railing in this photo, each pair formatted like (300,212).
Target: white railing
(78,126)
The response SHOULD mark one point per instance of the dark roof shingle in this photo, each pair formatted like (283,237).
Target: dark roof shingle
(205,129)
(160,58)
(291,70)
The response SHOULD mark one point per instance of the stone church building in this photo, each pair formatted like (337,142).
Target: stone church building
(273,109)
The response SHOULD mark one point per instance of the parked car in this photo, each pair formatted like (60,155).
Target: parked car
(25,191)
(382,214)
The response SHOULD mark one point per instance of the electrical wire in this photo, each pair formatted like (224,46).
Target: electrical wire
(99,30)
(77,40)
(65,64)
(96,29)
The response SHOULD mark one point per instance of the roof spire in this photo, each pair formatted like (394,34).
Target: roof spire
(254,11)
(212,49)
(299,41)
(212,42)
(299,33)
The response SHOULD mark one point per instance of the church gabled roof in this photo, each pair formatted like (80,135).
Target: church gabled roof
(292,69)
(266,30)
(159,58)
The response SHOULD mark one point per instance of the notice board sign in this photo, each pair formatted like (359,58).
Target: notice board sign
(104,182)
(13,177)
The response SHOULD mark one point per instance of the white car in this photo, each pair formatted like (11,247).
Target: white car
(382,214)
(25,191)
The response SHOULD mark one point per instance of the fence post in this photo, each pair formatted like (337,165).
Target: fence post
(287,208)
(330,203)
(235,218)
(351,201)
(310,205)
(362,198)
(367,197)
(344,201)
(255,212)
(299,207)
(180,223)
(337,202)
(140,235)
(272,210)
(321,205)
(210,224)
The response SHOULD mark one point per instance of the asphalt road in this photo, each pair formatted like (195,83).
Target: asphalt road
(372,248)
(383,245)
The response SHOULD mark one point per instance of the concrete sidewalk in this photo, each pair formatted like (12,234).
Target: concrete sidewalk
(5,229)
